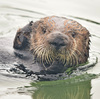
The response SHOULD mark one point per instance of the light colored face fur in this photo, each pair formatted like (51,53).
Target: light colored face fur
(60,39)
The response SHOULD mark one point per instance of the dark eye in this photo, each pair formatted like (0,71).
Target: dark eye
(73,34)
(44,30)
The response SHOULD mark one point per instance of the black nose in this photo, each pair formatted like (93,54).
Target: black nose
(58,42)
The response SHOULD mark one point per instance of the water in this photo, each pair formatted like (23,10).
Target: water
(73,88)
(17,13)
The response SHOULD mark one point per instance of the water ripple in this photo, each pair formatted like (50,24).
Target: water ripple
(92,21)
(26,10)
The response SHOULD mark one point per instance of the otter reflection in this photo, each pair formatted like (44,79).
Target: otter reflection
(66,89)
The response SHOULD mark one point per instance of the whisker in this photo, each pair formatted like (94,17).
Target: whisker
(49,57)
(76,58)
(46,56)
(73,60)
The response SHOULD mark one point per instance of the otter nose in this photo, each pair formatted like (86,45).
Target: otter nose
(58,40)
(58,43)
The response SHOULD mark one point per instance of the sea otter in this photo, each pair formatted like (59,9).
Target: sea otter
(56,43)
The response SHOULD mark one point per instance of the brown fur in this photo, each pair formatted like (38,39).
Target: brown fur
(44,34)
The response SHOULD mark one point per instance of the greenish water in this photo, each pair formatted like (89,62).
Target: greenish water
(64,91)
(74,88)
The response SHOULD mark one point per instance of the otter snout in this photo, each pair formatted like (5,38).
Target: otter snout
(58,40)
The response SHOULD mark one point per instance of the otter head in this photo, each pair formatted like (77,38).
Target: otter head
(59,39)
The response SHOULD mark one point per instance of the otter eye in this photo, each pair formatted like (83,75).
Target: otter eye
(73,34)
(44,30)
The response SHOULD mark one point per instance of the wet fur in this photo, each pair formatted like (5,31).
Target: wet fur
(35,38)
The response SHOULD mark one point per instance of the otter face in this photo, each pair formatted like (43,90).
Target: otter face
(59,39)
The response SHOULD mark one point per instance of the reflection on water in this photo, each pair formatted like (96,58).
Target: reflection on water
(64,91)
(74,88)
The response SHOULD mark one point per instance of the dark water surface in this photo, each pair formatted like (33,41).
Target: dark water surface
(17,13)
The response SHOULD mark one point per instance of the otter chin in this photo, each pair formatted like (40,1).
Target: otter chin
(57,43)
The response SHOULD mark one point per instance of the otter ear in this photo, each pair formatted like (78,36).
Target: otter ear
(22,37)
